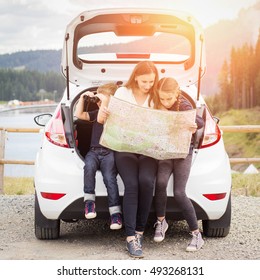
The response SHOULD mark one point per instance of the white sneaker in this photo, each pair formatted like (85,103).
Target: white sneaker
(196,242)
(160,229)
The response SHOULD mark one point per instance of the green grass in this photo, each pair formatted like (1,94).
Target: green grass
(244,145)
(240,117)
(18,185)
(242,184)
(246,184)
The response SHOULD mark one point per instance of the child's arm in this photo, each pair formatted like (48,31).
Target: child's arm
(79,112)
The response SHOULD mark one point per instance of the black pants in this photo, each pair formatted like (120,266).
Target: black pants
(181,171)
(138,173)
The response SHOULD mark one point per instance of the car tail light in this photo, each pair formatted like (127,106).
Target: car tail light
(52,196)
(55,130)
(215,196)
(212,132)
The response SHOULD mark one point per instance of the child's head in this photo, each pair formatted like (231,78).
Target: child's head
(167,94)
(107,89)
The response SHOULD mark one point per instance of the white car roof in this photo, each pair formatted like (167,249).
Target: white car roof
(149,31)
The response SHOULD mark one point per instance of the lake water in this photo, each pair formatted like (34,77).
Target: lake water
(21,146)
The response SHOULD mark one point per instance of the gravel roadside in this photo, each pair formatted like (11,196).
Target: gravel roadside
(94,240)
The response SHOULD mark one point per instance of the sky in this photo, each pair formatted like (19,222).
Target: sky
(41,24)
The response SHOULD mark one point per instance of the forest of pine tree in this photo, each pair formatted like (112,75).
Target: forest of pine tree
(239,80)
(28,85)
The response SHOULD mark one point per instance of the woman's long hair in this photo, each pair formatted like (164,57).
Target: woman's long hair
(170,85)
(143,68)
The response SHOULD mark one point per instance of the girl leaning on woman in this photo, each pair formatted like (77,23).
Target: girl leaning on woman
(141,174)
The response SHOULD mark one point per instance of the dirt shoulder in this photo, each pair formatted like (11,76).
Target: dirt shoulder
(94,240)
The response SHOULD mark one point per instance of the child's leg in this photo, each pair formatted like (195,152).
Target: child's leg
(90,169)
(109,173)
(181,172)
(163,174)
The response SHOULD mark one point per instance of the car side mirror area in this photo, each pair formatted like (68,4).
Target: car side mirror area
(42,119)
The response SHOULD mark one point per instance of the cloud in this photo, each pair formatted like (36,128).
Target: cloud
(41,24)
(29,25)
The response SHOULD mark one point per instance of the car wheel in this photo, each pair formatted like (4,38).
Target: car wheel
(220,227)
(45,228)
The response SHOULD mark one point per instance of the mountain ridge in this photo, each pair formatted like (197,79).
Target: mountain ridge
(220,38)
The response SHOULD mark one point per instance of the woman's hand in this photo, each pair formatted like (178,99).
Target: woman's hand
(192,128)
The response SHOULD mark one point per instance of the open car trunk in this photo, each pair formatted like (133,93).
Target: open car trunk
(83,129)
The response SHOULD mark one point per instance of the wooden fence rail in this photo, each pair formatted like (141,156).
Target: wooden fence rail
(3,161)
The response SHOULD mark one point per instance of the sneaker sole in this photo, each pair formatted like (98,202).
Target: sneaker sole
(194,249)
(134,256)
(160,239)
(115,226)
(90,215)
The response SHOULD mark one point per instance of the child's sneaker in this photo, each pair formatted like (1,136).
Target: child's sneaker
(90,209)
(116,221)
(196,242)
(160,229)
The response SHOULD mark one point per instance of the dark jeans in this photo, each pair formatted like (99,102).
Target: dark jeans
(103,159)
(181,171)
(138,173)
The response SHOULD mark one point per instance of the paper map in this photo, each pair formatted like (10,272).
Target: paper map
(154,133)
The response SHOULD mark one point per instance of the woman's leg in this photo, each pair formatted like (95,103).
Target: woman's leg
(147,177)
(181,172)
(127,166)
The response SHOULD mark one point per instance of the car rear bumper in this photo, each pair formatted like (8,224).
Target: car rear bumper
(64,175)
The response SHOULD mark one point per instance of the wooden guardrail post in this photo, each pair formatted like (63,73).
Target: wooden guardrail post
(2,153)
(240,128)
(3,161)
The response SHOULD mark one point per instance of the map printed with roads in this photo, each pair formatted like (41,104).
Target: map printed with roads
(155,133)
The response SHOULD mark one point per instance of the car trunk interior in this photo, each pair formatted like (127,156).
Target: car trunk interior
(83,129)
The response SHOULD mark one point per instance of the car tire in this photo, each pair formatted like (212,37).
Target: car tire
(45,228)
(220,227)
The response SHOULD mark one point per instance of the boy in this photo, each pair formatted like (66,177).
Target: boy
(99,157)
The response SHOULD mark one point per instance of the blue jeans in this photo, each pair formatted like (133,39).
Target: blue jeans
(103,159)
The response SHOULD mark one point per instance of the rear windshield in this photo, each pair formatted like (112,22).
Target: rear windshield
(107,46)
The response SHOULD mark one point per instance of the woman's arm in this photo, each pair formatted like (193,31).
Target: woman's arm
(103,111)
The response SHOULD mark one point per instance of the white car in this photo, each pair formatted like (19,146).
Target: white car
(102,46)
